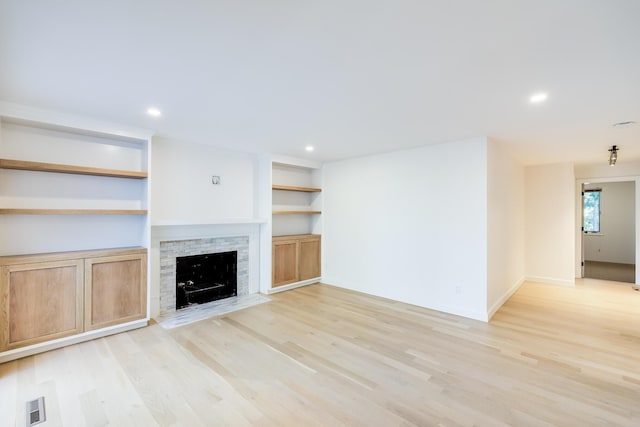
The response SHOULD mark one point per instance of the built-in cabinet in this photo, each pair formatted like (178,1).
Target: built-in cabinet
(39,301)
(49,296)
(115,289)
(295,258)
(309,257)
(296,225)
(71,188)
(285,266)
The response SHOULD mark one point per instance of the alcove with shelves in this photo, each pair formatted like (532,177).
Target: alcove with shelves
(64,187)
(296,200)
(296,225)
(74,221)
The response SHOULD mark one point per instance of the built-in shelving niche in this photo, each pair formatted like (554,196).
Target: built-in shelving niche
(296,200)
(65,188)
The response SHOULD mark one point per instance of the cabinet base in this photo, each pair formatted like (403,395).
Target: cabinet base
(293,285)
(66,341)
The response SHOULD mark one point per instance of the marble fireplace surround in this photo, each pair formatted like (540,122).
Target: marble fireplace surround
(171,241)
(170,250)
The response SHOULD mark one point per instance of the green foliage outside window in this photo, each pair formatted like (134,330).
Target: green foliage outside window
(591,211)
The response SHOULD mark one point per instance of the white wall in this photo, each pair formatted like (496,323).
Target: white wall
(181,186)
(603,170)
(411,226)
(185,205)
(550,223)
(505,226)
(616,241)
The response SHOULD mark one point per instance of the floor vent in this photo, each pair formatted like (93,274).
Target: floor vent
(35,411)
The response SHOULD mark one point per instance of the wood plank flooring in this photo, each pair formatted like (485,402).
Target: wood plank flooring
(323,356)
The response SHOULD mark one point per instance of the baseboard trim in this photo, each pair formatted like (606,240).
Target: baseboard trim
(500,302)
(550,280)
(73,339)
(293,286)
(469,314)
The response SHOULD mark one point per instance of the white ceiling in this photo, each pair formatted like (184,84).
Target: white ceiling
(351,77)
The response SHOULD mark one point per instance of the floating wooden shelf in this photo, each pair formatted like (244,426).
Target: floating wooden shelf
(77,170)
(296,212)
(73,212)
(294,188)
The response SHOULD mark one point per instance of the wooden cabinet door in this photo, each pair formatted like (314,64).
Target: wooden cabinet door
(115,290)
(40,302)
(285,262)
(309,258)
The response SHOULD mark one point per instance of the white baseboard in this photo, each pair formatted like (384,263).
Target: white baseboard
(551,280)
(444,308)
(499,303)
(469,314)
(74,339)
(293,285)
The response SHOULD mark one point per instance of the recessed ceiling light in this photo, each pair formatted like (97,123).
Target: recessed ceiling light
(154,112)
(538,97)
(309,148)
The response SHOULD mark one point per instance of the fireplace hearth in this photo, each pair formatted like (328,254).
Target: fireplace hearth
(205,278)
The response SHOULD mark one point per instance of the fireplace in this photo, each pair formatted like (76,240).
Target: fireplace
(171,250)
(206,277)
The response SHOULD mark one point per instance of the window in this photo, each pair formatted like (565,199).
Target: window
(591,211)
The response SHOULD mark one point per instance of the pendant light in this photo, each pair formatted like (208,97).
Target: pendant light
(613,157)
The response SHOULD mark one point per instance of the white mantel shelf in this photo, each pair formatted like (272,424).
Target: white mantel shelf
(224,221)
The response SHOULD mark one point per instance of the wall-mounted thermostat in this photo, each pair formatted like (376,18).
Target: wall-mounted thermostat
(215,180)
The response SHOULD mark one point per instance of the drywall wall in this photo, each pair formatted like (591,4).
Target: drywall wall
(505,226)
(410,225)
(616,241)
(181,188)
(185,204)
(603,170)
(550,223)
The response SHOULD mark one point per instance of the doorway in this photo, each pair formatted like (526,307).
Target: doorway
(609,230)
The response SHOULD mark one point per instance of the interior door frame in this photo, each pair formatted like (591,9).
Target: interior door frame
(579,268)
(582,242)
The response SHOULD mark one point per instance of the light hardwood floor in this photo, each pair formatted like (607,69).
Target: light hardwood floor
(323,356)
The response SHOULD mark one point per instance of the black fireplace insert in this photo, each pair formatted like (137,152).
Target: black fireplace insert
(204,278)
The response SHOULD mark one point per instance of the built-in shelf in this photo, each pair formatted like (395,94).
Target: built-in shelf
(71,183)
(73,212)
(294,188)
(296,212)
(71,169)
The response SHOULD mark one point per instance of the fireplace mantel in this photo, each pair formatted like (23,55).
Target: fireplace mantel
(205,222)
